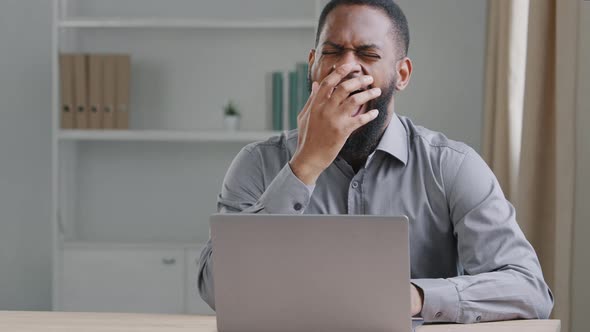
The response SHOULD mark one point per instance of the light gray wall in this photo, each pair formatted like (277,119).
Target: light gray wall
(581,247)
(25,154)
(447,46)
(445,94)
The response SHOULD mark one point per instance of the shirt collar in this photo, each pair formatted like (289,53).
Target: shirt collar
(394,141)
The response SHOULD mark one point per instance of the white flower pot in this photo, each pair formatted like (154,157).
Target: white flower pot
(231,122)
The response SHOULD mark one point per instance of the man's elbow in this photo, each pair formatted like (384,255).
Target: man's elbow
(539,303)
(544,303)
(206,293)
(205,277)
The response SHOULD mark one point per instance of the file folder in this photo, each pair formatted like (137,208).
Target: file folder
(109,88)
(80,91)
(66,78)
(95,91)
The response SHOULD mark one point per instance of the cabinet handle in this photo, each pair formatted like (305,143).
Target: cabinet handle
(168,261)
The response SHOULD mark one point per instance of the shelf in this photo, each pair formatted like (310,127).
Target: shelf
(185,23)
(165,136)
(89,245)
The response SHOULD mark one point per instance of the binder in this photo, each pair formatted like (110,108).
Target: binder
(123,76)
(80,91)
(95,91)
(303,90)
(277,101)
(66,78)
(293,100)
(109,88)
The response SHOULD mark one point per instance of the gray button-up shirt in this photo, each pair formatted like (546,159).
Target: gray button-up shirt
(467,253)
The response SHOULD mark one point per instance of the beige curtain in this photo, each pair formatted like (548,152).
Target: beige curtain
(527,142)
(505,77)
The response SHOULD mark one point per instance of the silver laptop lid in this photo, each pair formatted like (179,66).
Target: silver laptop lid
(322,273)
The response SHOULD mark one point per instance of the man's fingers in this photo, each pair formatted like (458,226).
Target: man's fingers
(344,89)
(303,115)
(314,90)
(352,103)
(330,81)
(362,119)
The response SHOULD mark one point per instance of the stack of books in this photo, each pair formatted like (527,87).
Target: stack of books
(94,90)
(297,95)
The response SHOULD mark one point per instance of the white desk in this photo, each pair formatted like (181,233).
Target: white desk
(24,321)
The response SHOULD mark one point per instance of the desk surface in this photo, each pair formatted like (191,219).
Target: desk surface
(20,321)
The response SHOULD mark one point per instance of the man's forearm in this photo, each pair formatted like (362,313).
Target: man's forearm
(205,276)
(304,172)
(286,194)
(492,296)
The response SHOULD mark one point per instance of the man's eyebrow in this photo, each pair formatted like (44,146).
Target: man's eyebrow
(368,47)
(329,43)
(358,48)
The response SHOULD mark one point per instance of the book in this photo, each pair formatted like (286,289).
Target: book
(66,79)
(277,101)
(303,89)
(293,99)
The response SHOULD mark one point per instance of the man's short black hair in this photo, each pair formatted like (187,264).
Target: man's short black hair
(394,12)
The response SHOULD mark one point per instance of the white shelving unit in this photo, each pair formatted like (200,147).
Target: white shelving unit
(165,136)
(184,23)
(130,208)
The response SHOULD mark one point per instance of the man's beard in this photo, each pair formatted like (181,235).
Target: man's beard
(361,143)
(364,140)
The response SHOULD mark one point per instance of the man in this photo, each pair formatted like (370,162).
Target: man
(351,154)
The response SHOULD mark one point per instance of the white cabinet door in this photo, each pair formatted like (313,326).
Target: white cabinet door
(195,305)
(123,280)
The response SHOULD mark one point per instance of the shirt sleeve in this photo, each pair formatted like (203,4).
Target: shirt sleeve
(503,278)
(244,191)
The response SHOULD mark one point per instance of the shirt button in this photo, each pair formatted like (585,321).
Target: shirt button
(438,314)
(478,319)
(297,206)
(355,185)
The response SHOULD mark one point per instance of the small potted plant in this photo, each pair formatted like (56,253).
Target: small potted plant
(231,118)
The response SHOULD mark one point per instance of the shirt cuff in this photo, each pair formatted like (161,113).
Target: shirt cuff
(286,194)
(441,300)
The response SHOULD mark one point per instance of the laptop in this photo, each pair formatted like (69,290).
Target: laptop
(321,273)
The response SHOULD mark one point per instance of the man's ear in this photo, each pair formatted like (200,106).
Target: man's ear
(311,58)
(404,73)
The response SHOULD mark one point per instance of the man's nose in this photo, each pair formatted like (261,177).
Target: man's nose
(349,57)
